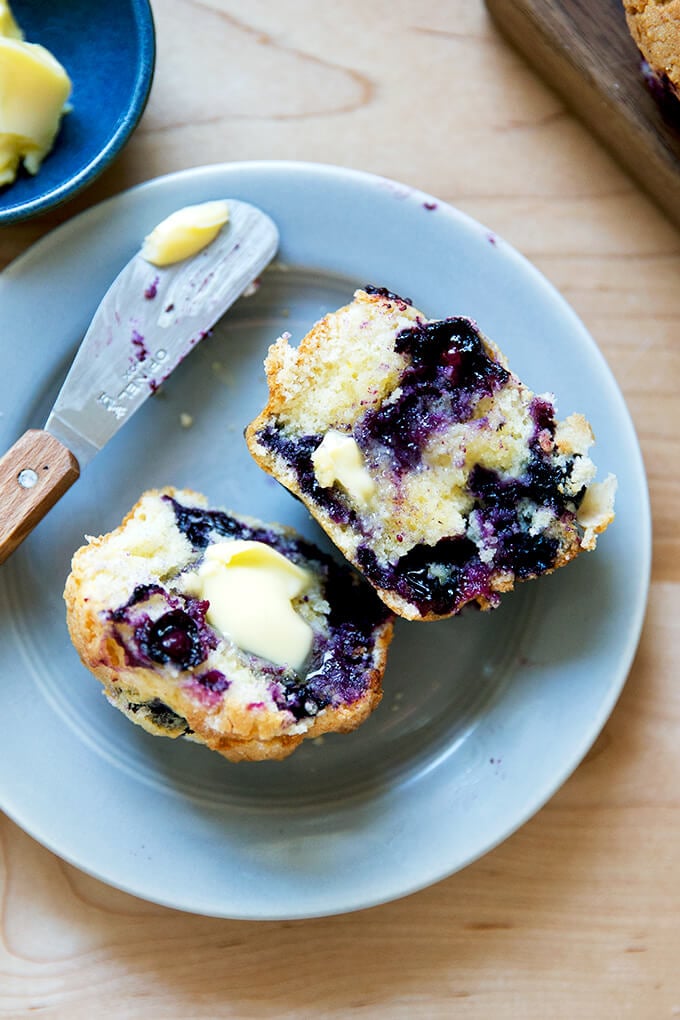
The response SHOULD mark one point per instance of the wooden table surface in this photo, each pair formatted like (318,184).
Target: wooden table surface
(578,914)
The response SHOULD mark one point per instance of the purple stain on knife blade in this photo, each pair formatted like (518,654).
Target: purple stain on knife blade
(198,337)
(201,336)
(206,280)
(139,345)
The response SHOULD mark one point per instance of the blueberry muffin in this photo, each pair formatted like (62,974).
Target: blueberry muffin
(431,466)
(238,635)
(655,27)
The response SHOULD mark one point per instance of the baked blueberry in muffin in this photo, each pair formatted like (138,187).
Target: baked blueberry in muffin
(236,634)
(431,466)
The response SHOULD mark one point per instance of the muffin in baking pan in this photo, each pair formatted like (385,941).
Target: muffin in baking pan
(236,634)
(432,467)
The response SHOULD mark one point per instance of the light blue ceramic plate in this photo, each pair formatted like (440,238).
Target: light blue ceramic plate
(108,50)
(484,716)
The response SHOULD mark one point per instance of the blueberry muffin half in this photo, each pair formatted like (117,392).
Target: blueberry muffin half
(233,633)
(431,466)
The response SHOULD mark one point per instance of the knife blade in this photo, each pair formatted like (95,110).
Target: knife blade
(148,321)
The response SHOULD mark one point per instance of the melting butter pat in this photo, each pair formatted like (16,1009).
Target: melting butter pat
(184,233)
(34,88)
(250,587)
(338,459)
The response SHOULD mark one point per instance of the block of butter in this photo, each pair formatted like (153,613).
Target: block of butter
(34,88)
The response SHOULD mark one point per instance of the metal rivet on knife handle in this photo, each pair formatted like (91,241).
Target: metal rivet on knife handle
(34,474)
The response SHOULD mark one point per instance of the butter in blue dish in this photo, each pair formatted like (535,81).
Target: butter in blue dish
(108,52)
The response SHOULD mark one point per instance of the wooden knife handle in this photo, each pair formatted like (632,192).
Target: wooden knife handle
(34,474)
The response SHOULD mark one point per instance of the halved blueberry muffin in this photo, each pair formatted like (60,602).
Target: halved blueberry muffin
(431,466)
(239,635)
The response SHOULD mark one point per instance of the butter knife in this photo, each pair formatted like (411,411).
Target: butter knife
(148,321)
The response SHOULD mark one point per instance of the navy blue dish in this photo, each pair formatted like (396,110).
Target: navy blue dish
(109,53)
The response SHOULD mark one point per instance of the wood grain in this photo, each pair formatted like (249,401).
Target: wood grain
(576,915)
(34,474)
(586,52)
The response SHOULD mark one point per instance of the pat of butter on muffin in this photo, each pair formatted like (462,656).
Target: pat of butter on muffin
(250,588)
(185,233)
(34,89)
(339,459)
